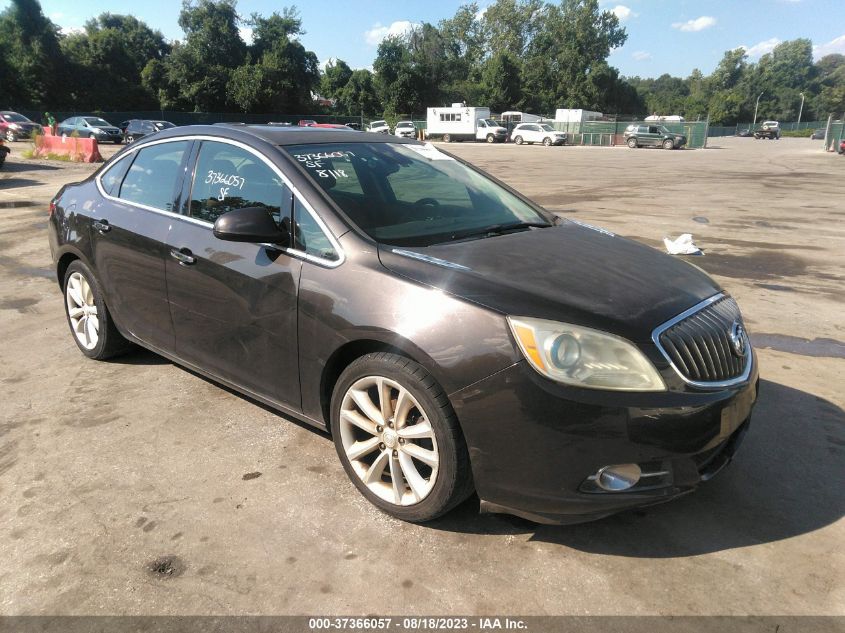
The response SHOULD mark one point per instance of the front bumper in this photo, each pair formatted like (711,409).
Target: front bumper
(534,444)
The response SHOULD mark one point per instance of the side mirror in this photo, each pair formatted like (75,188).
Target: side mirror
(250,224)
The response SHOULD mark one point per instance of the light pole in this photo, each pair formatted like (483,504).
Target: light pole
(757,105)
(801,109)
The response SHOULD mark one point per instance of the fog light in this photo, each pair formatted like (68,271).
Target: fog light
(618,478)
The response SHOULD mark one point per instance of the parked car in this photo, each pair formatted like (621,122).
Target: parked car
(139,128)
(841,149)
(306,122)
(818,134)
(14,126)
(355,125)
(334,126)
(537,133)
(769,130)
(380,127)
(451,334)
(745,132)
(641,135)
(405,129)
(91,127)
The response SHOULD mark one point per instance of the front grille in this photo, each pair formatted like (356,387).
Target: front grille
(699,345)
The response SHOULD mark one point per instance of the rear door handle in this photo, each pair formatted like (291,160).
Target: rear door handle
(183,256)
(102,226)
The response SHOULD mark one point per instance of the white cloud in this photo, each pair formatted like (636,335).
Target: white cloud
(761,48)
(71,30)
(480,13)
(641,56)
(836,45)
(623,13)
(246,34)
(376,34)
(323,64)
(698,24)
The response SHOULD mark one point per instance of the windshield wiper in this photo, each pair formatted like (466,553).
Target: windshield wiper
(498,229)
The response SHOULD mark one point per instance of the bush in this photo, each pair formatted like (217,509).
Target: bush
(797,133)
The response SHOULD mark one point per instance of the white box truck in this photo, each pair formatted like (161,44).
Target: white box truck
(460,122)
(512,116)
(572,115)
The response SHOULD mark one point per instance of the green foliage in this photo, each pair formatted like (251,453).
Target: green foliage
(30,61)
(533,55)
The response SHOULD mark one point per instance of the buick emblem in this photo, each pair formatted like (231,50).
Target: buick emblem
(737,336)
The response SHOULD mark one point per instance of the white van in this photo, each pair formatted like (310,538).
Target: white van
(463,123)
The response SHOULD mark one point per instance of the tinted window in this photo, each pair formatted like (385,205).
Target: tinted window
(228,177)
(309,237)
(113,176)
(152,178)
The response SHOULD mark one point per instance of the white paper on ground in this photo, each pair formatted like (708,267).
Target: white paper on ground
(683,245)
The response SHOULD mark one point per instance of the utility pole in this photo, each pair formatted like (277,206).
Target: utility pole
(757,105)
(801,109)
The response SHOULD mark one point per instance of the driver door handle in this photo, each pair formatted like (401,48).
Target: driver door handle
(102,226)
(183,256)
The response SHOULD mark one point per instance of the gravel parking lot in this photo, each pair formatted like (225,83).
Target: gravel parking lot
(137,487)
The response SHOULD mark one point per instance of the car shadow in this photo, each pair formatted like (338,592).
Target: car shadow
(143,357)
(787,480)
(17,167)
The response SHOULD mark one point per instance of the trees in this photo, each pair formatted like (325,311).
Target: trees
(31,66)
(108,58)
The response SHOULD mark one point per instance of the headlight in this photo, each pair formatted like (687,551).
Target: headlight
(14,126)
(582,357)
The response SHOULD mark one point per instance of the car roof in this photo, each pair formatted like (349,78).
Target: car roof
(277,135)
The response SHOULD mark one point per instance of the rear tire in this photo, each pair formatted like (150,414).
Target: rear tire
(447,138)
(390,417)
(10,136)
(632,143)
(88,317)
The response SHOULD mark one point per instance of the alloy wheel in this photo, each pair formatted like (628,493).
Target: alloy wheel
(389,441)
(82,311)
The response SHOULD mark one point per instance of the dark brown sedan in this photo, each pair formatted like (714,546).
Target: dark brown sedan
(453,336)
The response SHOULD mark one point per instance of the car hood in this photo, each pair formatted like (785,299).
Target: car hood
(571,272)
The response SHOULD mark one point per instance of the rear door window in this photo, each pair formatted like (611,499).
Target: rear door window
(113,176)
(152,178)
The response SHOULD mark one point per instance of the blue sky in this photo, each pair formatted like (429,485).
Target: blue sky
(664,36)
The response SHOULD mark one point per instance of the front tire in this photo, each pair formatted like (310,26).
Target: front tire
(10,136)
(447,138)
(89,319)
(398,438)
(518,140)
(491,138)
(667,144)
(547,142)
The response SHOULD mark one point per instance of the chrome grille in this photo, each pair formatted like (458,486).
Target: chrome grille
(698,343)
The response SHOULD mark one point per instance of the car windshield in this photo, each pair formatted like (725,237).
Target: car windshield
(163,125)
(412,195)
(490,122)
(404,124)
(378,123)
(97,121)
(770,123)
(547,127)
(14,117)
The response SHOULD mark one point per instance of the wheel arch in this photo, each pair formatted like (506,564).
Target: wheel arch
(352,350)
(64,259)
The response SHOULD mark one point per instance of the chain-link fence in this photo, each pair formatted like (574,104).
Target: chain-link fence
(198,118)
(790,126)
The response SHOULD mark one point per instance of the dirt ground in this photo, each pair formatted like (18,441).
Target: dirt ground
(136,487)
